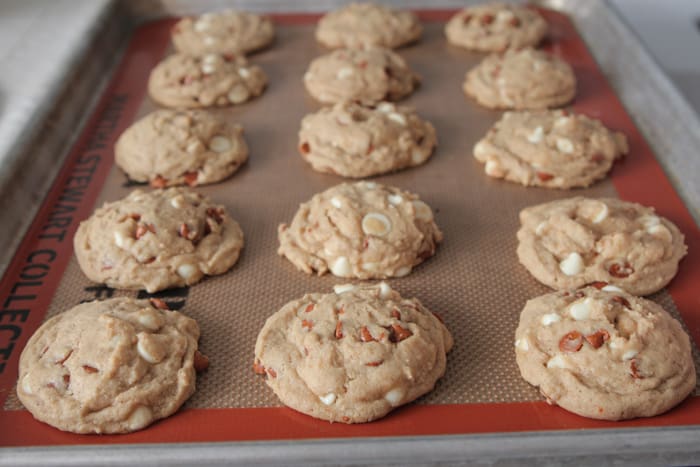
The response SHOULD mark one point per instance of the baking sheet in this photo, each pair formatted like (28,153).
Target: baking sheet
(474,281)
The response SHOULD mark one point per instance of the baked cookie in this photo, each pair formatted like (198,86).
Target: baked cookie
(604,354)
(356,141)
(496,27)
(224,32)
(553,149)
(213,80)
(364,25)
(363,230)
(114,366)
(157,240)
(169,148)
(364,76)
(521,79)
(569,243)
(354,355)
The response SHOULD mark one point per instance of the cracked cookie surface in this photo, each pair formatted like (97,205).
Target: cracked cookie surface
(496,27)
(526,79)
(354,355)
(357,141)
(114,366)
(168,148)
(364,76)
(157,240)
(363,25)
(211,80)
(228,31)
(604,354)
(553,149)
(569,243)
(363,230)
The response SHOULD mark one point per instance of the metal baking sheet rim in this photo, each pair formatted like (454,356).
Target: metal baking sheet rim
(649,97)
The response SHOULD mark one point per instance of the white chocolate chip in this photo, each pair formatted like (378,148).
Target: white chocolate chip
(395,396)
(522,344)
(341,267)
(150,321)
(143,347)
(629,355)
(208,68)
(210,59)
(244,73)
(565,145)
(539,230)
(201,26)
(219,144)
(194,147)
(384,290)
(572,264)
(186,271)
(561,121)
(558,361)
(345,73)
(423,211)
(308,76)
(26,387)
(335,201)
(602,214)
(536,136)
(342,288)
(398,118)
(612,288)
(550,318)
(140,418)
(385,107)
(370,266)
(177,202)
(377,224)
(493,168)
(649,221)
(328,399)
(401,272)
(661,232)
(395,199)
(480,149)
(238,94)
(617,343)
(581,310)
(505,16)
(119,239)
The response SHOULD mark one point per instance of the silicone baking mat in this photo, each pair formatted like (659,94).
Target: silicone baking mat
(475,281)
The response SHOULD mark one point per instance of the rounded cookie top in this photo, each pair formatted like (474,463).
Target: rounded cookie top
(357,141)
(354,355)
(364,25)
(604,354)
(114,366)
(169,148)
(228,31)
(157,240)
(553,149)
(496,27)
(569,243)
(363,230)
(364,76)
(212,80)
(521,79)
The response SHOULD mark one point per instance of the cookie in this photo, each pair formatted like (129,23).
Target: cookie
(524,79)
(553,149)
(357,141)
(168,148)
(224,32)
(363,230)
(496,27)
(569,243)
(604,354)
(354,355)
(364,25)
(212,80)
(114,366)
(157,240)
(364,76)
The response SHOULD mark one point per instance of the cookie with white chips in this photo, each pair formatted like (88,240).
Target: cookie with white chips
(359,141)
(224,32)
(569,243)
(364,76)
(169,147)
(354,355)
(526,79)
(363,25)
(553,149)
(211,80)
(496,27)
(112,366)
(363,230)
(157,240)
(604,354)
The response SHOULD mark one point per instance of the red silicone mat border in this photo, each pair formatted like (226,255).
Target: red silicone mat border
(31,279)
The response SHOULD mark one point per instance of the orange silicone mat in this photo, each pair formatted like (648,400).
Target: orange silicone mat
(474,281)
